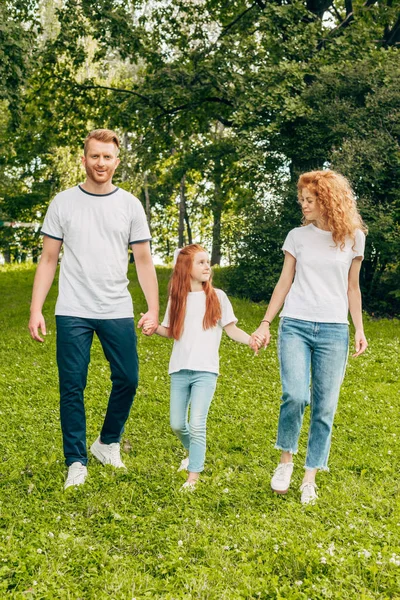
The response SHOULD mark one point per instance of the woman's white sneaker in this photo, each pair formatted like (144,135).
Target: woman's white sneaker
(280,481)
(308,493)
(77,473)
(108,454)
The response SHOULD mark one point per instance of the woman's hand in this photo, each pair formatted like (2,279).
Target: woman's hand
(360,343)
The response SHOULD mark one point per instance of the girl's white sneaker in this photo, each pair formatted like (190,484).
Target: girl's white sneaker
(184,465)
(188,486)
(308,493)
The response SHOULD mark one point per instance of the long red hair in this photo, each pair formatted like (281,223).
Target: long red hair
(336,201)
(179,287)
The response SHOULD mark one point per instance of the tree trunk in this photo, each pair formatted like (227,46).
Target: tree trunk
(182,211)
(147,198)
(216,241)
(188,227)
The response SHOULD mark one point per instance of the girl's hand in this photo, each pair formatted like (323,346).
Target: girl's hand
(360,343)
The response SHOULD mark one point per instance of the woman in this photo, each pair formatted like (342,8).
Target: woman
(318,285)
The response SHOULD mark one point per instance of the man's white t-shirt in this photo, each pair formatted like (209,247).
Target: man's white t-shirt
(319,289)
(96,231)
(197,348)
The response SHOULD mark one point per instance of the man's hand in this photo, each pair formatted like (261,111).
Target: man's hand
(149,322)
(37,322)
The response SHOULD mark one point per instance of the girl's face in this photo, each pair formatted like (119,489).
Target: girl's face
(201,270)
(309,205)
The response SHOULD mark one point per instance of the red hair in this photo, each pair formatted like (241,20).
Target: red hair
(102,135)
(336,202)
(179,287)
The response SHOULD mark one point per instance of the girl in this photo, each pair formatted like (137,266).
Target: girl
(195,317)
(319,283)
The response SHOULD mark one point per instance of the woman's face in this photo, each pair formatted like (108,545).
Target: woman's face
(309,205)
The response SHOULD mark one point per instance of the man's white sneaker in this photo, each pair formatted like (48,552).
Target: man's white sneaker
(308,493)
(77,473)
(280,481)
(108,454)
(184,465)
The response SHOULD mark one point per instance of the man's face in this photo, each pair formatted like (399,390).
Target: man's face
(100,161)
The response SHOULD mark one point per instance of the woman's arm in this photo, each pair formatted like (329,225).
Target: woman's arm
(278,297)
(355,306)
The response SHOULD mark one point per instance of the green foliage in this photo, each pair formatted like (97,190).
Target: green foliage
(134,535)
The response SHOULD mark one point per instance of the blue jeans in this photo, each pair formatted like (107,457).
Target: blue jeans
(74,340)
(320,349)
(194,388)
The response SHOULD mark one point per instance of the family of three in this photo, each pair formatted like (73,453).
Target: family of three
(319,284)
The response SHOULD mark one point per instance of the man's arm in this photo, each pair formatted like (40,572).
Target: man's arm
(43,279)
(148,282)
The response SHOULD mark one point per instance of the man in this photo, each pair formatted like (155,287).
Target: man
(95,221)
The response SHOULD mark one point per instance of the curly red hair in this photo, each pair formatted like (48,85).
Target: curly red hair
(179,287)
(336,202)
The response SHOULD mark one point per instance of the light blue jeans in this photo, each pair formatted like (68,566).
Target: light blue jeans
(194,388)
(319,349)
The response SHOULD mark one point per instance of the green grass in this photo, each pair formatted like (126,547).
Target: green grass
(134,535)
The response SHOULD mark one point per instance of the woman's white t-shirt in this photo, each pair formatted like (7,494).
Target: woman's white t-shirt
(319,289)
(197,348)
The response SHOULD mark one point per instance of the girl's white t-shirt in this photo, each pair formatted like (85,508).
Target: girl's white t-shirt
(197,348)
(319,289)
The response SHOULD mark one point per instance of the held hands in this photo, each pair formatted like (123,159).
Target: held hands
(37,322)
(148,322)
(263,334)
(256,342)
(360,343)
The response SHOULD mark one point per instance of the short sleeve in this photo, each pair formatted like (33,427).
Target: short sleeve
(289,244)
(165,321)
(51,224)
(140,231)
(359,244)
(227,314)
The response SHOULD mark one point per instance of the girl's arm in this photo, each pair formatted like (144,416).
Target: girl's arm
(278,297)
(354,296)
(238,335)
(162,331)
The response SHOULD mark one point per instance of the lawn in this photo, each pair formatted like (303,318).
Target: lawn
(134,535)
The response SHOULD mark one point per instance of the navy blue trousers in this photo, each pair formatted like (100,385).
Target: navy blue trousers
(74,340)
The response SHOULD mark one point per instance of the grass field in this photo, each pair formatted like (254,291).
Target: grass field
(134,535)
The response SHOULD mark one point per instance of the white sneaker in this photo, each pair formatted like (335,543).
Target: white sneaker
(308,493)
(188,486)
(108,454)
(77,473)
(280,481)
(184,465)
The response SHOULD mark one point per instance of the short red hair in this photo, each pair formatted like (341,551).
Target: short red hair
(102,135)
(179,287)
